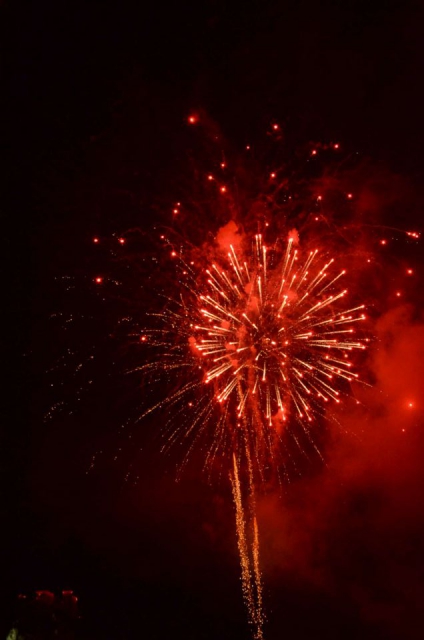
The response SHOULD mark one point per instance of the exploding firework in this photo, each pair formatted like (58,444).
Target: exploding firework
(260,344)
(258,340)
(264,341)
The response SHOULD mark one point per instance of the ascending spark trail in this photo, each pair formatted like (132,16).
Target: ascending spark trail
(249,556)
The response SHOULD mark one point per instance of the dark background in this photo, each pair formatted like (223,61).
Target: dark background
(96,132)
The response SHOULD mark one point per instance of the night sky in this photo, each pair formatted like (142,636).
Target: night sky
(98,143)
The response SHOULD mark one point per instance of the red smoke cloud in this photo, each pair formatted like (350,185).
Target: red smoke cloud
(355,530)
(229,235)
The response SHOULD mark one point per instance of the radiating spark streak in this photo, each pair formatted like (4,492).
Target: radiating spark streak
(285,262)
(330,389)
(247,271)
(239,270)
(285,298)
(209,353)
(304,272)
(236,270)
(250,322)
(210,315)
(324,304)
(329,284)
(296,405)
(304,386)
(242,403)
(227,390)
(218,290)
(260,288)
(213,373)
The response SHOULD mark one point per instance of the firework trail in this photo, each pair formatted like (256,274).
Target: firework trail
(249,558)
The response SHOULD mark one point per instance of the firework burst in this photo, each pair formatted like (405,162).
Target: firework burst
(265,338)
(259,341)
(256,340)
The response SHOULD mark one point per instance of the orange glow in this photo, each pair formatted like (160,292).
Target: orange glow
(273,175)
(223,189)
(192,119)
(383,242)
(121,240)
(98,280)
(409,272)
